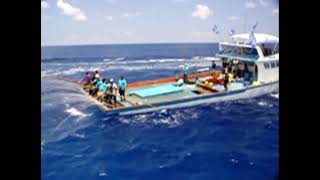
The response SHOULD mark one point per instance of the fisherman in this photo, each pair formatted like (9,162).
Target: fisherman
(102,89)
(122,88)
(246,73)
(226,82)
(185,72)
(97,74)
(213,66)
(263,49)
(92,73)
(230,76)
(112,88)
(86,80)
(253,78)
(96,86)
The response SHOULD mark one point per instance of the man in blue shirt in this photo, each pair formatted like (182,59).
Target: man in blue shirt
(96,87)
(102,89)
(122,87)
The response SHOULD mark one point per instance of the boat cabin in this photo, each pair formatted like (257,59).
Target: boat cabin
(261,59)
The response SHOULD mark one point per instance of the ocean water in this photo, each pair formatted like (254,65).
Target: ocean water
(226,140)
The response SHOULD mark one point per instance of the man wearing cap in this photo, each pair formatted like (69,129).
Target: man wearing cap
(97,75)
(112,88)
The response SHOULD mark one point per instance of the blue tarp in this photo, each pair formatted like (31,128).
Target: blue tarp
(156,91)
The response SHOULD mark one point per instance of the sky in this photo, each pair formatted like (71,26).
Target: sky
(76,22)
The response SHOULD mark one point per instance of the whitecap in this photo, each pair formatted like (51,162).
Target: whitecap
(275,95)
(81,136)
(119,58)
(163,111)
(75,112)
(73,71)
(102,174)
(234,160)
(262,103)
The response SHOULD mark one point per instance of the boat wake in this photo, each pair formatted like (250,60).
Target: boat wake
(169,118)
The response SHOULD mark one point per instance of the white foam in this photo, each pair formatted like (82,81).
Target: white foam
(275,95)
(211,58)
(234,160)
(75,112)
(262,103)
(167,121)
(141,117)
(81,136)
(73,71)
(163,111)
(120,59)
(203,69)
(102,174)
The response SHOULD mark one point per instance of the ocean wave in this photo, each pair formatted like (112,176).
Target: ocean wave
(107,59)
(276,95)
(102,174)
(73,71)
(262,103)
(67,69)
(75,112)
(120,58)
(81,136)
(172,118)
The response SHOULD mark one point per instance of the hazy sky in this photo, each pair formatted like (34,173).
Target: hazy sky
(66,22)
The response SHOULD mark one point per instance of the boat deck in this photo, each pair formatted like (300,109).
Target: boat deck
(163,90)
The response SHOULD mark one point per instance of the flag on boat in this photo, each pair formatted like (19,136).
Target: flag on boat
(252,39)
(231,32)
(215,29)
(254,26)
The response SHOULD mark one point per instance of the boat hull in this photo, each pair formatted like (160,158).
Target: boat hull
(249,92)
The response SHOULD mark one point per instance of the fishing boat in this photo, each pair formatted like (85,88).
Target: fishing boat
(260,61)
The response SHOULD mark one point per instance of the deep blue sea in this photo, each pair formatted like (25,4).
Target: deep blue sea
(235,140)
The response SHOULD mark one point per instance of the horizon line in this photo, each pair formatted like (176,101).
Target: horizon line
(127,44)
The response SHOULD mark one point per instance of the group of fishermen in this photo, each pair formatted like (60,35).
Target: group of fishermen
(104,89)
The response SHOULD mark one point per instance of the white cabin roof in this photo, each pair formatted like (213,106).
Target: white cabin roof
(260,37)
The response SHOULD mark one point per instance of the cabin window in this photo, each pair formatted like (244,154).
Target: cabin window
(273,65)
(246,52)
(269,48)
(266,65)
